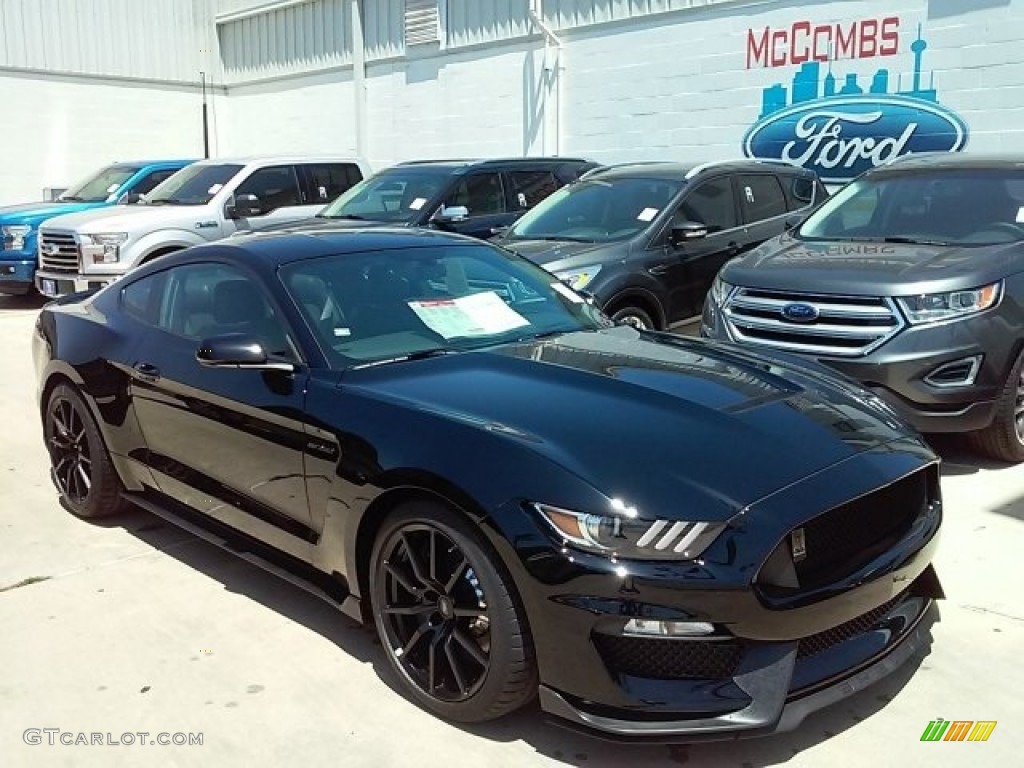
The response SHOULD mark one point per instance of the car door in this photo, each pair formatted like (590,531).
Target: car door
(762,205)
(226,442)
(688,268)
(483,194)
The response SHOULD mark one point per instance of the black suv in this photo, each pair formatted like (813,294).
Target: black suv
(646,239)
(479,198)
(910,279)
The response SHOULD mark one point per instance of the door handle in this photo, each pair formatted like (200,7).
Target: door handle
(146,371)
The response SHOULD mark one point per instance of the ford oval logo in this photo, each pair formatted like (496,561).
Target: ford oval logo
(840,137)
(798,312)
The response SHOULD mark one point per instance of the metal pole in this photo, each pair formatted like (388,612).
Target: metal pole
(206,122)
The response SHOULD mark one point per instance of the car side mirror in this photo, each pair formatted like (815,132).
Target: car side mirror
(238,350)
(792,222)
(244,207)
(449,215)
(686,231)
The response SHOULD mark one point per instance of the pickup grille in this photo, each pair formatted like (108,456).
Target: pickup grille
(58,251)
(842,326)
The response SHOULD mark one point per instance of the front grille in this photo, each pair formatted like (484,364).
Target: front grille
(843,326)
(669,658)
(814,644)
(58,251)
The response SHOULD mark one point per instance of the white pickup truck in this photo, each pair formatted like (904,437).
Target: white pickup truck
(205,201)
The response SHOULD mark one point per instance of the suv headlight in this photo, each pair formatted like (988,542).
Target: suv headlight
(14,236)
(578,279)
(934,307)
(720,291)
(623,534)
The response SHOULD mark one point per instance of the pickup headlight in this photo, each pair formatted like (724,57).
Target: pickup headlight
(934,307)
(623,534)
(720,291)
(578,279)
(103,248)
(14,236)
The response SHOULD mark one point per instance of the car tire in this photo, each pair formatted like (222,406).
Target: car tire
(448,616)
(1003,439)
(80,465)
(634,316)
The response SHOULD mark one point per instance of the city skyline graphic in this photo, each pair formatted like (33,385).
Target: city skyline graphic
(808,84)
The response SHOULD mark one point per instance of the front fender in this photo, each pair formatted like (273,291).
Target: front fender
(160,240)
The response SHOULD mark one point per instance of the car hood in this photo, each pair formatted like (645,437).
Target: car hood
(132,218)
(647,418)
(35,213)
(558,255)
(319,222)
(871,268)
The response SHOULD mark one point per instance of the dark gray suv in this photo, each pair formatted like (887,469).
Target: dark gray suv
(646,239)
(910,279)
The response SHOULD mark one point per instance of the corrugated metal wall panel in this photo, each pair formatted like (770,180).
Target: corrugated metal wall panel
(290,40)
(565,14)
(383,25)
(480,21)
(119,38)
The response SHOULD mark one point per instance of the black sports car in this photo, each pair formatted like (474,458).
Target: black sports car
(664,537)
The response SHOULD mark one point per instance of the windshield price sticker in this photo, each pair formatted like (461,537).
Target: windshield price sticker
(647,214)
(215,189)
(481,314)
(418,203)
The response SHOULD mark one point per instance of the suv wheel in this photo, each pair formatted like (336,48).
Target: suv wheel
(1003,439)
(635,317)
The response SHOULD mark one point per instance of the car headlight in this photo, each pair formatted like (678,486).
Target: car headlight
(623,534)
(14,236)
(720,291)
(578,279)
(106,238)
(933,307)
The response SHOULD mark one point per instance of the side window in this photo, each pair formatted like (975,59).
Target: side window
(711,204)
(325,181)
(203,300)
(147,183)
(481,193)
(275,187)
(761,197)
(141,299)
(530,187)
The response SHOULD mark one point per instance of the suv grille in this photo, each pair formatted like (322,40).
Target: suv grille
(844,326)
(58,251)
(669,658)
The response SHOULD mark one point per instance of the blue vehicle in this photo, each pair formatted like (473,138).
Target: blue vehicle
(120,183)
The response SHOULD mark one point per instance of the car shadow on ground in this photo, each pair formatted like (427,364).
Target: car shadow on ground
(28,301)
(529,725)
(958,458)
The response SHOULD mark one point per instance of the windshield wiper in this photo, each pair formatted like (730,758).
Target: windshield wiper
(418,355)
(349,216)
(72,198)
(912,240)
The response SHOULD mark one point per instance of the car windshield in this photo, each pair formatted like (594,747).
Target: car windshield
(399,195)
(193,185)
(100,186)
(938,207)
(597,210)
(390,305)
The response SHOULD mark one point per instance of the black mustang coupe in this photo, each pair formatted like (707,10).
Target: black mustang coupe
(659,537)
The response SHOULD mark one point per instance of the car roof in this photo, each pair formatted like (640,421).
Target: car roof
(681,171)
(148,163)
(272,249)
(466,164)
(261,160)
(953,160)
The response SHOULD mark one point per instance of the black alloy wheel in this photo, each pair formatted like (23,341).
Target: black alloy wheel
(1004,438)
(447,618)
(80,466)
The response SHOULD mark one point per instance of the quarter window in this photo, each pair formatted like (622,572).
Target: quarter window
(530,187)
(481,193)
(711,204)
(761,197)
(326,181)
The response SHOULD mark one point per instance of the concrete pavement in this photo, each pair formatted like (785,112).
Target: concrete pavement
(132,626)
